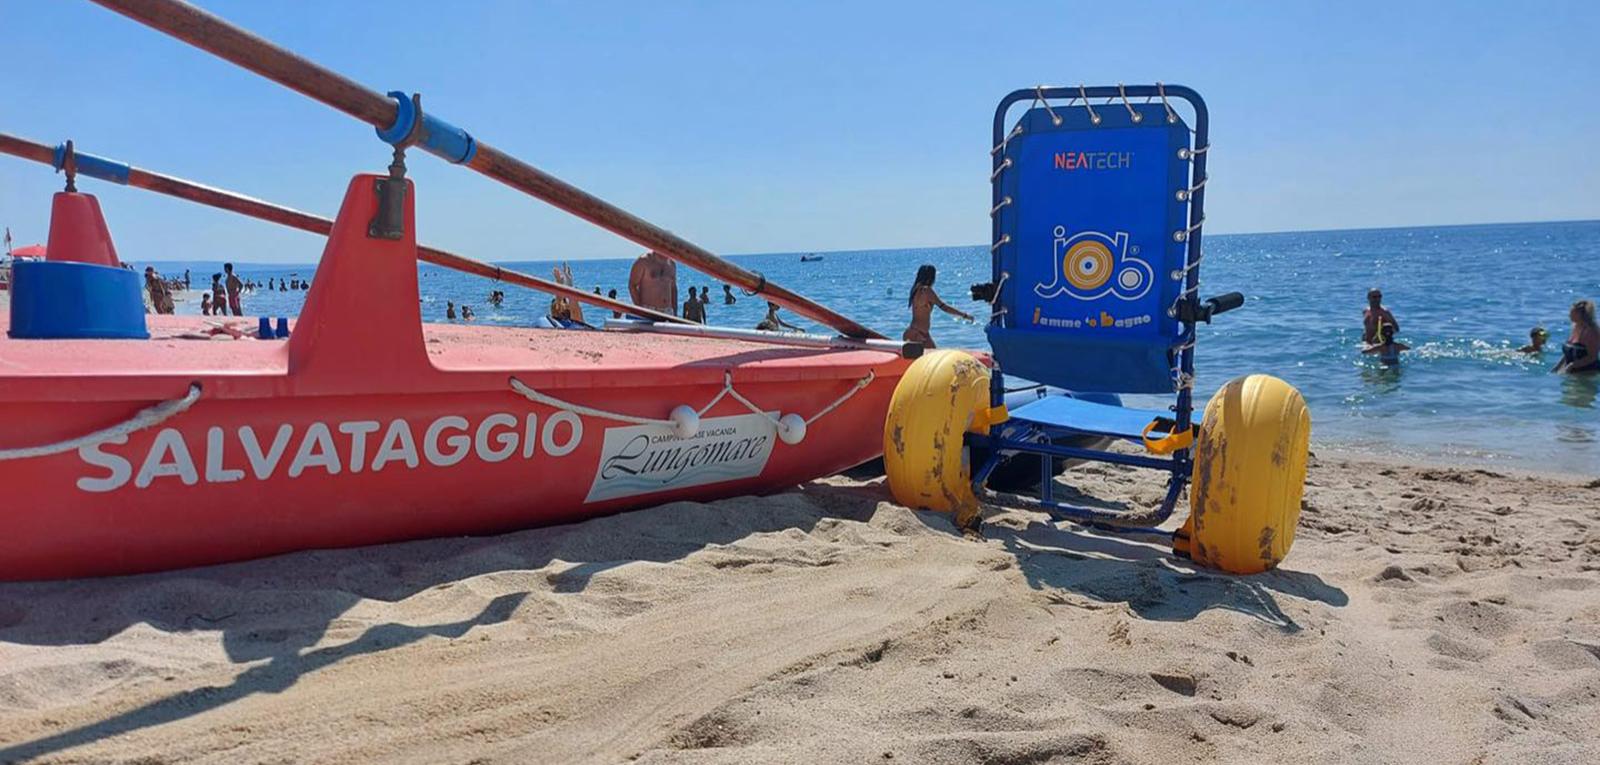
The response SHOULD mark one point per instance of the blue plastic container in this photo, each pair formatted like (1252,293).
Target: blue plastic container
(65,299)
(283,327)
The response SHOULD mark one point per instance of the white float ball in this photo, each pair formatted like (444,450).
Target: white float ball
(791,428)
(685,421)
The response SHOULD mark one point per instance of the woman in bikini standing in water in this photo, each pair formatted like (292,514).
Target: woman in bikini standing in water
(922,301)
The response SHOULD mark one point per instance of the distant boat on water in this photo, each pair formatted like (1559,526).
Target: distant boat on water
(812,258)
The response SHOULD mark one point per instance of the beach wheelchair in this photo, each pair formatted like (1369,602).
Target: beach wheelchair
(1098,202)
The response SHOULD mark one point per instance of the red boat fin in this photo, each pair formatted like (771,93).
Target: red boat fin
(361,328)
(78,231)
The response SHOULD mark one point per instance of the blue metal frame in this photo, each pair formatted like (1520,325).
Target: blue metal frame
(1014,435)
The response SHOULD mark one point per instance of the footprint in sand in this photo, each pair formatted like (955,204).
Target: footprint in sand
(1567,654)
(1477,618)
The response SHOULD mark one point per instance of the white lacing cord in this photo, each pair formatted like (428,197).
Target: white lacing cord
(1084,92)
(1132,114)
(1172,116)
(1185,194)
(999,147)
(995,313)
(1005,163)
(685,421)
(148,417)
(1179,273)
(1038,92)
(1004,240)
(996,209)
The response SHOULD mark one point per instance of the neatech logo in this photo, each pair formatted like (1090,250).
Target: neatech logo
(1093,160)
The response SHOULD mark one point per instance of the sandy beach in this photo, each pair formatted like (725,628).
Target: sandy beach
(1433,614)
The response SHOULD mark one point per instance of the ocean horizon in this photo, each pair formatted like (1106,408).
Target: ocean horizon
(1466,297)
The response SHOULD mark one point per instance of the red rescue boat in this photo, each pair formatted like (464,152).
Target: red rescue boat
(367,426)
(152,447)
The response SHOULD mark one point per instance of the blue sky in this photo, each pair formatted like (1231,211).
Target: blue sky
(755,127)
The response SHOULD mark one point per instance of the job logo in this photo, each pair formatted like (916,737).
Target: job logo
(1091,265)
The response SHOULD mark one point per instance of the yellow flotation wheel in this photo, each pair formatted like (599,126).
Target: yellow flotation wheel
(1249,475)
(943,395)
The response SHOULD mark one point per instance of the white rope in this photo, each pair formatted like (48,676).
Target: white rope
(1038,91)
(1084,92)
(1184,234)
(556,403)
(727,391)
(1002,168)
(1187,153)
(999,147)
(1179,273)
(996,209)
(1185,194)
(1133,115)
(1172,116)
(862,383)
(145,418)
(1004,240)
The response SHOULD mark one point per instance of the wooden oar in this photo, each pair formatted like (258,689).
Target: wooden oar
(116,172)
(210,33)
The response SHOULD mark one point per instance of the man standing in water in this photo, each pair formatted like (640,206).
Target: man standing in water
(653,283)
(234,286)
(727,295)
(1375,317)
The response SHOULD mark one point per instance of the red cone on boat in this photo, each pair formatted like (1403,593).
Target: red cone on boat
(78,231)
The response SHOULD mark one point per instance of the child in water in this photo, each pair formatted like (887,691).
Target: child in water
(1387,350)
(772,323)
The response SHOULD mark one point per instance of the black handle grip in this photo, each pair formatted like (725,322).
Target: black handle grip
(1225,302)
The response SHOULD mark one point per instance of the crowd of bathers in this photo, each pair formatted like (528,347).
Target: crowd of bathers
(225,296)
(652,284)
(1580,354)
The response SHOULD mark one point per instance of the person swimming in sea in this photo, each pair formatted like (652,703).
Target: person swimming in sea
(922,301)
(727,295)
(1581,353)
(1536,339)
(450,310)
(772,323)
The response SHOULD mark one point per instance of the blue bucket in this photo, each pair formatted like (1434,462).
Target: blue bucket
(66,299)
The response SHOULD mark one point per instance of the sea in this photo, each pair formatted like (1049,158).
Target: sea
(1465,297)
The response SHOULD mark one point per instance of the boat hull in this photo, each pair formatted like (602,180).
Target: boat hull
(244,478)
(367,426)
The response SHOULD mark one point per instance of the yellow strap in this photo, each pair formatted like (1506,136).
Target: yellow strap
(987,417)
(1169,443)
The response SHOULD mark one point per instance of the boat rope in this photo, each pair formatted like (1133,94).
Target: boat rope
(686,421)
(148,417)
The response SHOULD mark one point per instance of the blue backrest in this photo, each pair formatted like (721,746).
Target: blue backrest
(1092,227)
